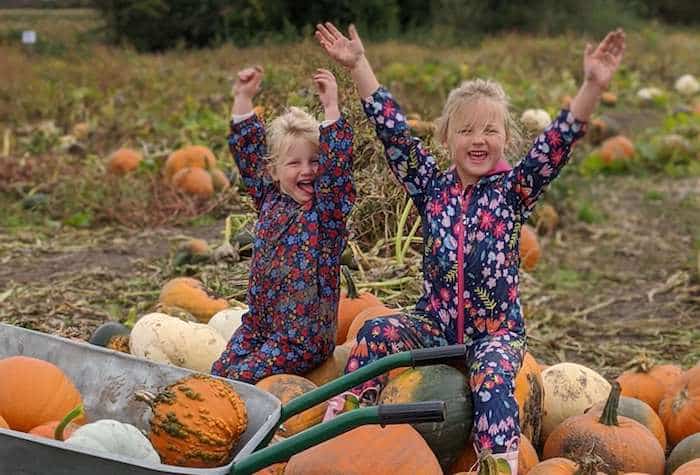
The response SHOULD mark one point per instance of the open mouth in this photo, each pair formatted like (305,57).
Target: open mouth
(306,186)
(478,156)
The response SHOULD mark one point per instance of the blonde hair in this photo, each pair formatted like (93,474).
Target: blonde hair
(473,90)
(293,123)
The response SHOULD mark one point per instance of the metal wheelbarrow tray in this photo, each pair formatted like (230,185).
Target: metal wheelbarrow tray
(107,381)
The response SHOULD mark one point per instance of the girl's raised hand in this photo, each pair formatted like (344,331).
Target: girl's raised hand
(346,51)
(327,89)
(601,62)
(248,82)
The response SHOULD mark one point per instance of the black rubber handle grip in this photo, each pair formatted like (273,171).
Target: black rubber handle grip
(438,354)
(425,411)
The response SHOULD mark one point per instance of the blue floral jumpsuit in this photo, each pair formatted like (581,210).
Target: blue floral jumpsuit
(470,265)
(293,287)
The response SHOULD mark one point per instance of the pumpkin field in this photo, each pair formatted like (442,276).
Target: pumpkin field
(115,179)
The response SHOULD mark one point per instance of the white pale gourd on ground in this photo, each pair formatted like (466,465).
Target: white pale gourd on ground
(649,93)
(227,321)
(114,437)
(165,339)
(687,85)
(569,390)
(535,119)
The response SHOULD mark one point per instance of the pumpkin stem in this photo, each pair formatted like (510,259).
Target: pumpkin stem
(227,230)
(74,413)
(145,396)
(352,290)
(609,415)
(641,364)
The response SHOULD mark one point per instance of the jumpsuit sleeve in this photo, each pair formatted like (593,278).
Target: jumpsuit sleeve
(412,165)
(549,153)
(246,142)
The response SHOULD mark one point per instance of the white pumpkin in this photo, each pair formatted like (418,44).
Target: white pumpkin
(687,85)
(227,321)
(649,93)
(165,339)
(535,119)
(114,437)
(569,389)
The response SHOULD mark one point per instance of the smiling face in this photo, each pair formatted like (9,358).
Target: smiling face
(476,138)
(296,169)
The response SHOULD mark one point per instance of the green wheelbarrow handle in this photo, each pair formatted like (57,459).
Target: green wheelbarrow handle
(428,411)
(412,358)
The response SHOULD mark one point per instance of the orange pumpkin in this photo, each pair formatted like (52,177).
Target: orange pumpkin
(3,423)
(547,219)
(622,443)
(123,161)
(192,156)
(287,387)
(527,457)
(608,98)
(368,314)
(680,408)
(220,180)
(194,181)
(48,430)
(554,466)
(686,450)
(368,449)
(618,147)
(529,392)
(640,412)
(690,468)
(529,248)
(196,422)
(34,392)
(646,383)
(350,305)
(274,469)
(332,368)
(192,296)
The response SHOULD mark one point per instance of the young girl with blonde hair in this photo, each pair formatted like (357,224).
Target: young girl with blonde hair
(471,218)
(300,180)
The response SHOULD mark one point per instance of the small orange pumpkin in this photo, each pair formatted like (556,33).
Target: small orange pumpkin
(690,468)
(3,423)
(527,457)
(547,219)
(529,248)
(647,382)
(680,407)
(686,450)
(622,443)
(368,449)
(350,305)
(192,156)
(220,180)
(608,98)
(529,392)
(332,368)
(192,296)
(640,412)
(196,422)
(48,430)
(123,161)
(554,466)
(194,181)
(34,392)
(618,147)
(287,387)
(369,313)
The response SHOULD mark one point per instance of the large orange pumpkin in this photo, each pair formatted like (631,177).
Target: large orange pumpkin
(192,156)
(529,248)
(640,412)
(192,296)
(3,423)
(690,468)
(529,392)
(124,161)
(194,181)
(368,314)
(196,422)
(350,305)
(686,450)
(680,408)
(332,368)
(390,450)
(527,457)
(34,392)
(616,148)
(647,382)
(622,443)
(287,387)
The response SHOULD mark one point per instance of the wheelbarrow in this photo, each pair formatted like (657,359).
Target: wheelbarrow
(108,380)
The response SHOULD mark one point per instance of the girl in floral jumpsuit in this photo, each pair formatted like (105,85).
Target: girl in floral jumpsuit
(303,191)
(471,218)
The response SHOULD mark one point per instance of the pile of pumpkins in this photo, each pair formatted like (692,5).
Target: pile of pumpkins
(195,422)
(191,169)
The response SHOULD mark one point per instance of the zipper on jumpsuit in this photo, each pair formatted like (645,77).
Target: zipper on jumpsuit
(463,205)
